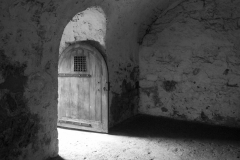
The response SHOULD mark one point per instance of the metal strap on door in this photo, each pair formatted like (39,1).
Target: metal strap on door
(74,75)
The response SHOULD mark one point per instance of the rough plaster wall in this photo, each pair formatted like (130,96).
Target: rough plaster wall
(190,63)
(27,81)
(122,61)
(124,31)
(30,34)
(87,25)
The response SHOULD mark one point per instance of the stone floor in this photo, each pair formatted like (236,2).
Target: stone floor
(151,138)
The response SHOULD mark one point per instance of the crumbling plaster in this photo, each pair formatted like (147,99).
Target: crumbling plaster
(30,35)
(190,63)
(87,25)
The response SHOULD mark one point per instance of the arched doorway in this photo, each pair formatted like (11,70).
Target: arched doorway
(82,89)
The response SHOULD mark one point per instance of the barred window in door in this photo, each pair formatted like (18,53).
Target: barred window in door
(80,64)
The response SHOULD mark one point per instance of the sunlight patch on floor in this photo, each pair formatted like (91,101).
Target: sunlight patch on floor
(77,145)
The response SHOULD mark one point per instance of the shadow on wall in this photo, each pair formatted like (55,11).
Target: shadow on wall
(96,45)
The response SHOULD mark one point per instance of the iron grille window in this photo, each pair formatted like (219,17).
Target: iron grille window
(80,64)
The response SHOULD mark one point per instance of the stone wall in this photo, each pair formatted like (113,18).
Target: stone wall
(126,26)
(30,35)
(190,63)
(28,80)
(87,25)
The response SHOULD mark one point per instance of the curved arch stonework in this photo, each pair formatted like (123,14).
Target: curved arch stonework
(89,24)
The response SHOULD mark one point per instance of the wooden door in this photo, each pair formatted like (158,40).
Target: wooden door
(82,89)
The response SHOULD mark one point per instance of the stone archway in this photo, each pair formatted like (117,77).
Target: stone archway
(89,24)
